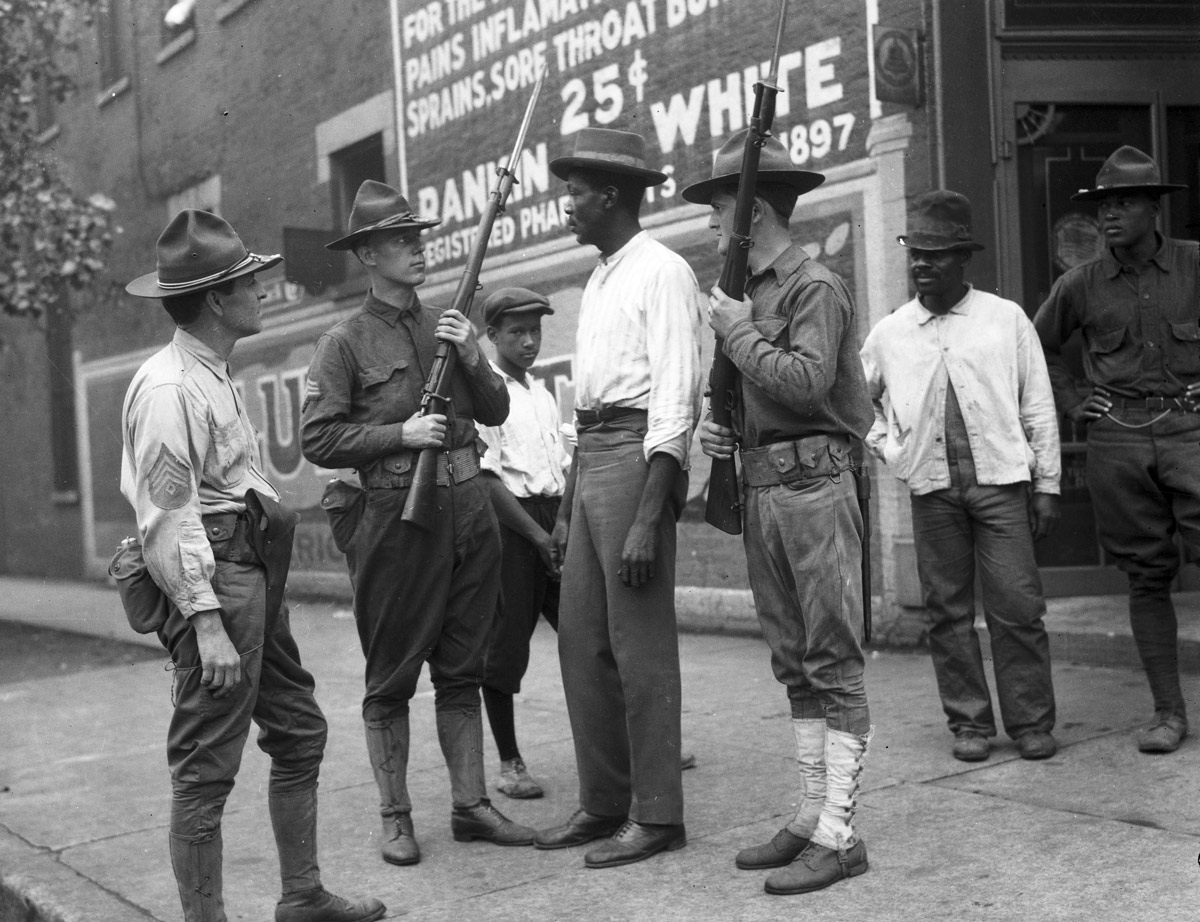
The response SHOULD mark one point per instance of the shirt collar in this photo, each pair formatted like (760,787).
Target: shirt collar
(962,307)
(390,313)
(203,352)
(786,264)
(527,383)
(630,245)
(1113,266)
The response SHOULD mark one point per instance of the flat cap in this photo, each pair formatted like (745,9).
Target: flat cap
(513,301)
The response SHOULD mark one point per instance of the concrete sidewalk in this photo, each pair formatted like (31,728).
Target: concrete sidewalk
(1098,832)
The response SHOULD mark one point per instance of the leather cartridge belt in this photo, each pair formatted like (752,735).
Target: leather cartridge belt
(395,472)
(229,535)
(1155,404)
(797,460)
(607,415)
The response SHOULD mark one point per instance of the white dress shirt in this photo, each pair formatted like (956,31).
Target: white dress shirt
(638,342)
(525,451)
(987,349)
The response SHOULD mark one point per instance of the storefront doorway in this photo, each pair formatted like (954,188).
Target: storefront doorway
(1059,119)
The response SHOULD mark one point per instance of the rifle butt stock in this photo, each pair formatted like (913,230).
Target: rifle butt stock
(420,508)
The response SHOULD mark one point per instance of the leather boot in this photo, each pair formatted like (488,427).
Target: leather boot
(460,733)
(834,852)
(387,746)
(294,822)
(197,866)
(793,839)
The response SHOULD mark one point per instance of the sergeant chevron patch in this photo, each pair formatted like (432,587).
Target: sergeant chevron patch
(170,480)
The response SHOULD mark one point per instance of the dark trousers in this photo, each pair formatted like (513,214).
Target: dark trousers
(1145,486)
(527,592)
(425,596)
(804,558)
(954,528)
(207,735)
(618,646)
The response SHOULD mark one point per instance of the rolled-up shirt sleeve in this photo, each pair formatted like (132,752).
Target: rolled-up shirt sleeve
(673,349)
(168,440)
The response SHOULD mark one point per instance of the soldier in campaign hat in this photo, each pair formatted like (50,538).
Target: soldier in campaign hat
(1136,307)
(418,596)
(637,399)
(964,415)
(800,402)
(191,469)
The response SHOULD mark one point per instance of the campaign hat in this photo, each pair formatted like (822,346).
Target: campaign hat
(513,301)
(377,206)
(1127,170)
(940,220)
(775,168)
(609,150)
(196,251)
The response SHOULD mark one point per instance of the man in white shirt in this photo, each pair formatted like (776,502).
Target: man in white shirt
(525,468)
(964,415)
(637,401)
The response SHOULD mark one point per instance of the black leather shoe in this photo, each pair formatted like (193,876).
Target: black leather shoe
(580,828)
(779,852)
(483,821)
(635,842)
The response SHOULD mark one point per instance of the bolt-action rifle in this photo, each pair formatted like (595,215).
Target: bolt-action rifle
(723,508)
(421,506)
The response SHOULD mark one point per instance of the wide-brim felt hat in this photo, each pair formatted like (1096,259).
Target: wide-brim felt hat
(609,151)
(1127,170)
(198,250)
(377,206)
(775,167)
(513,301)
(940,220)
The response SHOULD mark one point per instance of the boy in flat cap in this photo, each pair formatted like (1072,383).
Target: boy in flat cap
(419,596)
(525,466)
(217,543)
(1136,306)
(970,427)
(801,399)
(637,399)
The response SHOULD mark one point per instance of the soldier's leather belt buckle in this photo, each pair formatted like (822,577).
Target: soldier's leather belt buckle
(1156,404)
(459,465)
(797,460)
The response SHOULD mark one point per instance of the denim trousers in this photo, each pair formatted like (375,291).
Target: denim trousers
(1145,486)
(803,545)
(619,646)
(956,529)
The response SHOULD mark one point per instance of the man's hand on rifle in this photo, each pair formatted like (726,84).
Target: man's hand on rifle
(717,441)
(453,327)
(724,311)
(424,431)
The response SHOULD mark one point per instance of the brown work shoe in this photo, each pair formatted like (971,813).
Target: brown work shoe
(483,821)
(970,746)
(780,851)
(580,828)
(1164,735)
(399,841)
(516,782)
(319,905)
(1036,744)
(817,868)
(636,842)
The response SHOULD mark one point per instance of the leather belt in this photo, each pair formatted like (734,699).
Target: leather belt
(457,465)
(797,460)
(1155,404)
(606,415)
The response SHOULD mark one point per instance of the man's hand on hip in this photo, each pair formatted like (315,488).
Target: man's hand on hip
(222,667)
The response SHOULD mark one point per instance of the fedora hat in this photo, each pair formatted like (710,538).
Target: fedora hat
(513,301)
(774,168)
(940,220)
(379,207)
(609,151)
(197,251)
(1127,170)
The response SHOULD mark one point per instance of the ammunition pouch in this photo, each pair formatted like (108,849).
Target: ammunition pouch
(146,606)
(343,504)
(798,460)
